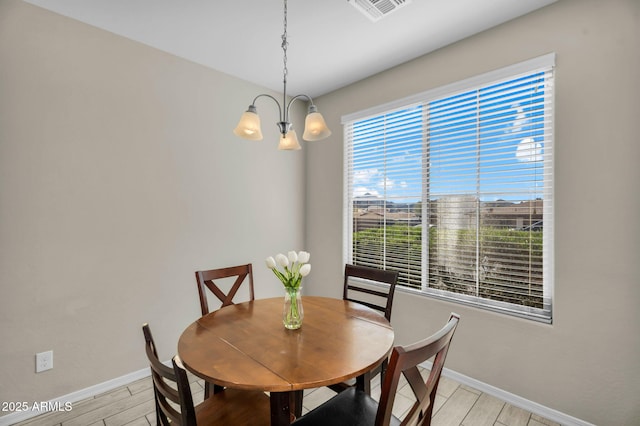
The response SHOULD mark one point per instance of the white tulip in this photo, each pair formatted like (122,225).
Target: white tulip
(271,263)
(282,260)
(293,257)
(303,257)
(305,269)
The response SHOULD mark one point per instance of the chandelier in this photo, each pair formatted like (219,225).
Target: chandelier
(315,128)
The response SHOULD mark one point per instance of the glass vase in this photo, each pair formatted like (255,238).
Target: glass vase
(293,313)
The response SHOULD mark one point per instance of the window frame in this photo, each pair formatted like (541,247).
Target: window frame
(542,63)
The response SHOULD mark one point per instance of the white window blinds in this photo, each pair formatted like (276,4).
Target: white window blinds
(385,181)
(453,189)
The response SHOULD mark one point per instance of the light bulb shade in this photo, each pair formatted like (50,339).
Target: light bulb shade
(315,128)
(289,141)
(249,126)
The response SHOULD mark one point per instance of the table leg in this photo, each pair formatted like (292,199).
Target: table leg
(295,402)
(280,411)
(363,383)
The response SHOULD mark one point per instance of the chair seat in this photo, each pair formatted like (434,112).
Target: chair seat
(218,409)
(348,408)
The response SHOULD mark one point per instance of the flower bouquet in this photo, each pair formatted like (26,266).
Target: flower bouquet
(294,268)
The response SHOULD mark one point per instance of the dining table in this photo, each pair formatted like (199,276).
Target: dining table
(246,346)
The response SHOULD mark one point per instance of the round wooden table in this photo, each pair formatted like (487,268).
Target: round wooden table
(245,346)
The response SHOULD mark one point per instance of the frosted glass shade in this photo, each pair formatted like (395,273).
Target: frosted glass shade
(289,141)
(315,128)
(249,126)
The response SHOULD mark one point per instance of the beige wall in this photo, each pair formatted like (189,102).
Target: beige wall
(119,177)
(587,364)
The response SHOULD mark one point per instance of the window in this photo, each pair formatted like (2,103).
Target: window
(453,189)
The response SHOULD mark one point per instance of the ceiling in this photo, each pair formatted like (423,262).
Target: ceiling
(331,43)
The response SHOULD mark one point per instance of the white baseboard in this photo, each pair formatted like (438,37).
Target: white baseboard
(512,399)
(85,393)
(515,400)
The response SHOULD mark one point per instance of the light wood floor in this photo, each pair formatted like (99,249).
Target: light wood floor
(133,405)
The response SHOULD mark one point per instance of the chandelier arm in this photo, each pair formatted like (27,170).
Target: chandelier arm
(286,111)
(274,100)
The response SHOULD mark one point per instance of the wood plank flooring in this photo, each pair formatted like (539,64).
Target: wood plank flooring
(132,405)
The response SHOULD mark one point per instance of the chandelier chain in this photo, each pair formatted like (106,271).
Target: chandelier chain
(315,128)
(285,44)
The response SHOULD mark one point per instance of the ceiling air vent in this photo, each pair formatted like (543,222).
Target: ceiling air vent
(377,9)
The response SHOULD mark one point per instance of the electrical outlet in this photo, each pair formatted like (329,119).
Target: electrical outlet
(44,361)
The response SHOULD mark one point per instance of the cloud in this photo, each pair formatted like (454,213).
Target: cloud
(361,191)
(386,183)
(528,150)
(364,177)
(520,120)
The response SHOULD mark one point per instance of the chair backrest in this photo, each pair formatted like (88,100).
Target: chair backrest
(205,281)
(380,298)
(405,360)
(170,385)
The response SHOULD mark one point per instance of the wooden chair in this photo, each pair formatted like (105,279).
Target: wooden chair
(174,401)
(205,281)
(354,407)
(378,298)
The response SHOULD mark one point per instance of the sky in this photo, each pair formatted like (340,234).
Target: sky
(488,143)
